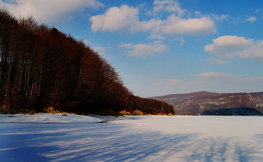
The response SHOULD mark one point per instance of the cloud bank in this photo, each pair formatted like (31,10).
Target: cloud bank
(215,75)
(231,46)
(144,49)
(115,19)
(125,18)
(47,10)
(217,61)
(168,6)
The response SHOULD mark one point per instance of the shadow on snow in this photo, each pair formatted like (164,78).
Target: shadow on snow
(116,142)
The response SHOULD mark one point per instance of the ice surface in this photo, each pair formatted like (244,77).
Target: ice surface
(148,138)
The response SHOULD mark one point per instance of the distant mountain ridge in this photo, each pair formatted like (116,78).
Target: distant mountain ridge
(197,103)
(176,98)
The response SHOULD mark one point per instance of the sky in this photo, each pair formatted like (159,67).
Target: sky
(162,47)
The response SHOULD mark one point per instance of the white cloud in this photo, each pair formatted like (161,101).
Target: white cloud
(156,36)
(177,26)
(157,42)
(217,61)
(85,42)
(144,49)
(258,10)
(181,40)
(228,77)
(48,10)
(215,75)
(168,6)
(149,12)
(146,25)
(231,46)
(126,45)
(252,19)
(254,52)
(174,81)
(126,18)
(100,51)
(197,12)
(196,83)
(212,16)
(115,19)
(158,83)
(218,18)
(228,46)
(142,5)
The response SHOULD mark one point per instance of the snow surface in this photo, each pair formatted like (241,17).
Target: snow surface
(46,118)
(148,138)
(59,118)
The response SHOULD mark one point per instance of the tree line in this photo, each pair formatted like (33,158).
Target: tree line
(41,66)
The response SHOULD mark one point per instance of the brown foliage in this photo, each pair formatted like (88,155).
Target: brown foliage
(42,66)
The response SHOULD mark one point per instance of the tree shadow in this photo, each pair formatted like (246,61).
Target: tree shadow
(225,149)
(117,142)
(84,142)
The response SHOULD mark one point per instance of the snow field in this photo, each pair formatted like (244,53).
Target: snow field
(148,138)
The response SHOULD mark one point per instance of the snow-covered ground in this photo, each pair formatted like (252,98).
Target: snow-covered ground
(58,118)
(47,118)
(148,138)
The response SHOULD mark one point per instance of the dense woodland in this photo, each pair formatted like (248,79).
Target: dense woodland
(43,67)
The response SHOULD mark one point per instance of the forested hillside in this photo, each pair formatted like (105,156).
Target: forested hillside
(43,67)
(210,103)
(173,99)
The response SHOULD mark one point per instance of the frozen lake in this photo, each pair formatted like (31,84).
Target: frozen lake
(150,138)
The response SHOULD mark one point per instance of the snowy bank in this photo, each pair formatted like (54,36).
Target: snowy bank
(60,118)
(47,118)
(112,118)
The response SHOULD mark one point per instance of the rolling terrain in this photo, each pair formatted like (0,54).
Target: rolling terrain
(204,103)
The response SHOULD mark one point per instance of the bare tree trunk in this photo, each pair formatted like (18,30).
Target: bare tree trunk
(8,82)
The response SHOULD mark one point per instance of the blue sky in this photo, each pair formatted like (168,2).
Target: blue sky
(161,47)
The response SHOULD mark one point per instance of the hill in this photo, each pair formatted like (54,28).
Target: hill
(177,98)
(42,68)
(215,103)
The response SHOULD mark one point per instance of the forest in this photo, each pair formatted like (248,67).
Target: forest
(43,67)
